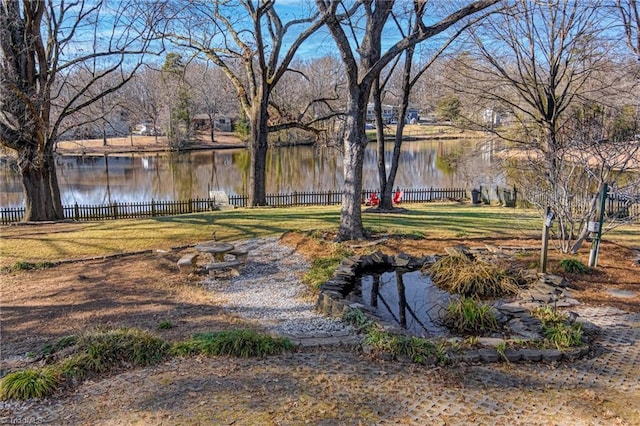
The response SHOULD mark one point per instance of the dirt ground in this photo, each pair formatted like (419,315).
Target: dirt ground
(40,306)
(144,290)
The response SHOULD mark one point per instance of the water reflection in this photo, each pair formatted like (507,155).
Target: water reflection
(409,299)
(173,176)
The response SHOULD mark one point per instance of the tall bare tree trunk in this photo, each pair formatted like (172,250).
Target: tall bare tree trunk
(355,142)
(258,162)
(42,193)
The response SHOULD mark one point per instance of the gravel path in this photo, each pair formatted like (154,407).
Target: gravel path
(270,290)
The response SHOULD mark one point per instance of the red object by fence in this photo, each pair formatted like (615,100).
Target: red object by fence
(397,197)
(373,199)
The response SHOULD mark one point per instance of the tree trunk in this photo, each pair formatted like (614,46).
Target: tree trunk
(386,191)
(385,204)
(258,163)
(355,141)
(42,193)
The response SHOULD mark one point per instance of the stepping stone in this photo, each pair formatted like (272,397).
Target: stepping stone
(471,356)
(489,355)
(551,355)
(512,355)
(531,354)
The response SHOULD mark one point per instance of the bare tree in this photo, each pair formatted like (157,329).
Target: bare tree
(547,66)
(211,90)
(357,31)
(312,94)
(630,14)
(101,119)
(410,75)
(41,44)
(254,47)
(143,99)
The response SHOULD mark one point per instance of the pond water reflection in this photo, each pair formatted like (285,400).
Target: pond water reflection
(409,299)
(99,179)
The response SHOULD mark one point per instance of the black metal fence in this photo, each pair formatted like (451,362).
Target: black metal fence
(169,208)
(617,206)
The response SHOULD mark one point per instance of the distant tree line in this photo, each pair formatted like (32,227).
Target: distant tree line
(554,81)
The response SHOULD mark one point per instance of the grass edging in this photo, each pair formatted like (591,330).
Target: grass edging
(73,359)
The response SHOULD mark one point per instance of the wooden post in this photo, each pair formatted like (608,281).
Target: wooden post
(545,239)
(595,245)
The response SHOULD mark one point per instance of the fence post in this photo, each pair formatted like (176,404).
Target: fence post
(153,208)
(115,210)
(76,211)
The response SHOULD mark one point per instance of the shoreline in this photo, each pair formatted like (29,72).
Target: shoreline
(144,144)
(148,144)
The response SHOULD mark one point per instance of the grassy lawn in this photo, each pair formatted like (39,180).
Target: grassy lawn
(51,242)
(436,131)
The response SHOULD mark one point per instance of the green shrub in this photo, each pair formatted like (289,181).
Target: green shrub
(460,275)
(27,384)
(468,315)
(573,266)
(240,343)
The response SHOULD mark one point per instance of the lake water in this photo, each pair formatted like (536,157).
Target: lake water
(99,179)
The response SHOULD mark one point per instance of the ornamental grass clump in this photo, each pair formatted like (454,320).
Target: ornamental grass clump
(27,384)
(458,274)
(563,335)
(239,343)
(467,315)
(105,350)
(419,350)
(557,330)
(123,347)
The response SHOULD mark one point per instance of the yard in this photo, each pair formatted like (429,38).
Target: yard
(98,284)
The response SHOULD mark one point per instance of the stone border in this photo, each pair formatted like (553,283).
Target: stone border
(333,302)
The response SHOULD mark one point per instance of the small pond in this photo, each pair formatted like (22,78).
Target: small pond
(408,299)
